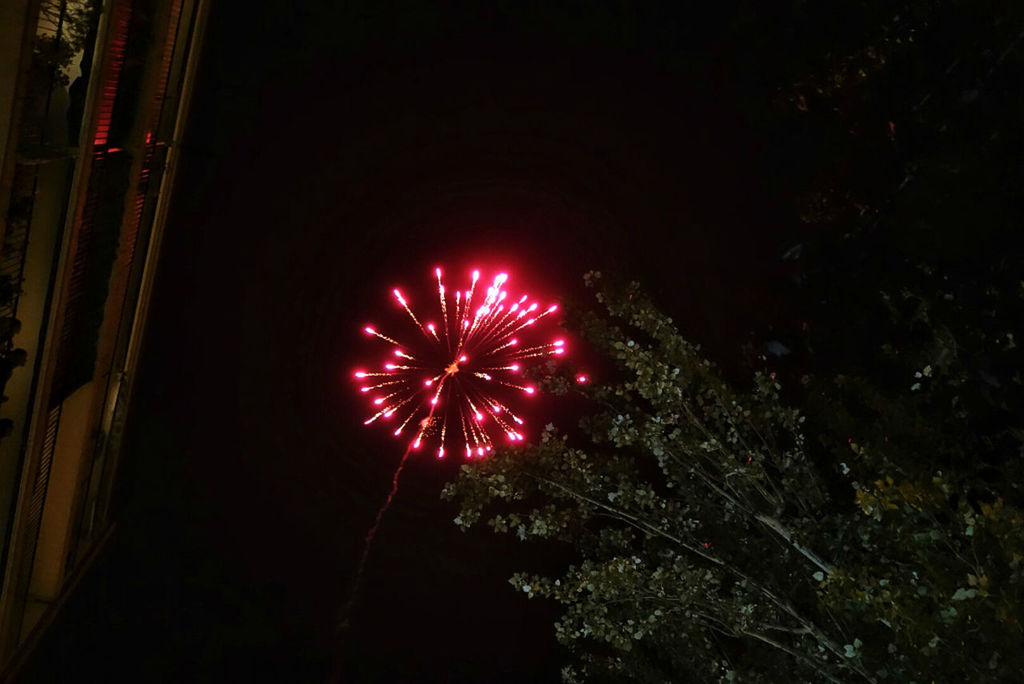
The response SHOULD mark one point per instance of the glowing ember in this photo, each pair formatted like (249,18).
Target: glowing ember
(455,383)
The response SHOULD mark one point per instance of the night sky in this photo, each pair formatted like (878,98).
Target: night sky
(334,151)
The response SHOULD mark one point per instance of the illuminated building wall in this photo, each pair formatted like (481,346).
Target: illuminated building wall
(95,94)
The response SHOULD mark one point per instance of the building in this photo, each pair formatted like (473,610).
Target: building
(93,97)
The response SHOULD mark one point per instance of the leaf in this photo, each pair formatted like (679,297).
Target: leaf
(963,594)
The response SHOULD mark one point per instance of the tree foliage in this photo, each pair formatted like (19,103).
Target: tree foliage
(717,541)
(854,512)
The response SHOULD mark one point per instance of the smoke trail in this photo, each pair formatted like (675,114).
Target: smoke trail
(344,620)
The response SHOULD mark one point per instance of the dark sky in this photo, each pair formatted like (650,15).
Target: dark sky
(336,150)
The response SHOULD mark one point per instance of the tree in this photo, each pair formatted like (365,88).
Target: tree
(876,533)
(717,542)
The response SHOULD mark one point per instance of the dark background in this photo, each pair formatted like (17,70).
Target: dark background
(336,150)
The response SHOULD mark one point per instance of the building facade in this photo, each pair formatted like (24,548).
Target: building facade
(93,99)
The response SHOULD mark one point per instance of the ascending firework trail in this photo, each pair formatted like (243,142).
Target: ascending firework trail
(357,580)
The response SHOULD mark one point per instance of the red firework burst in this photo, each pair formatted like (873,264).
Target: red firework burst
(455,381)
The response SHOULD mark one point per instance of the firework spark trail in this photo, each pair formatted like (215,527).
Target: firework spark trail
(344,619)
